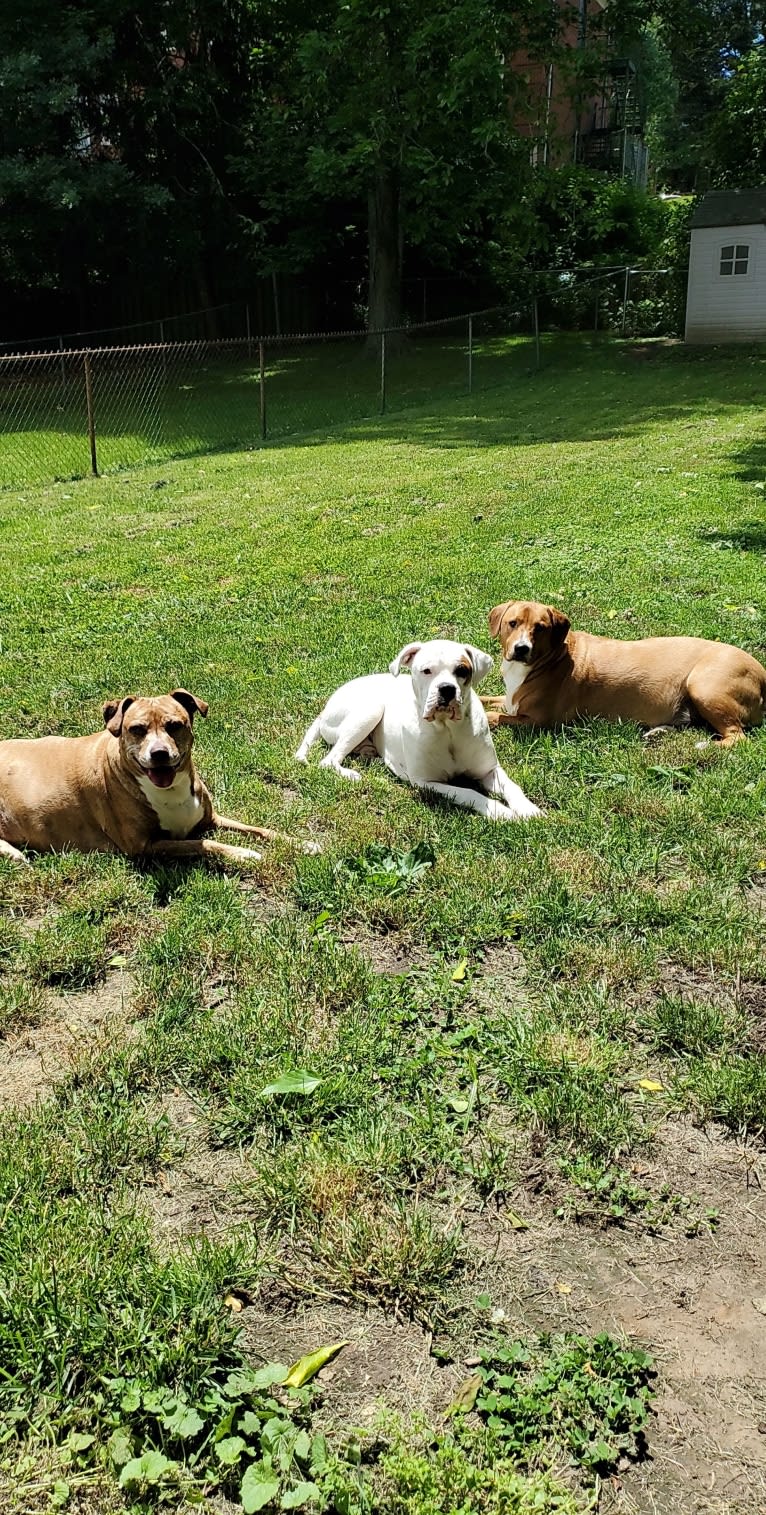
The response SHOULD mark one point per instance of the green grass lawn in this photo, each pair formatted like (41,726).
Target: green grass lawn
(193,399)
(524,1161)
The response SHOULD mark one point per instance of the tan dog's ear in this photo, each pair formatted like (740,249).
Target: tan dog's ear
(191,704)
(560,625)
(404,658)
(482,663)
(496,618)
(114,713)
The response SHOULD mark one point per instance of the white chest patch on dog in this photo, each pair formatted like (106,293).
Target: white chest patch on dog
(177,808)
(514,675)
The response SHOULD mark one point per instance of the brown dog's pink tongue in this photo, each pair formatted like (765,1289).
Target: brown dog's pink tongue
(162,777)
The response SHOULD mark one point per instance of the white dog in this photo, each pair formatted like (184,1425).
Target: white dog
(428,730)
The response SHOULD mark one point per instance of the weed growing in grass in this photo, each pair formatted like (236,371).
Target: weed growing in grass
(388,872)
(465,1473)
(612,1195)
(589,1397)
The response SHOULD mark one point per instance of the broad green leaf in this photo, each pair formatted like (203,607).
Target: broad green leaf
(149,1469)
(297,1081)
(307,1367)
(459,972)
(293,1499)
(250,1424)
(229,1450)
(458,1103)
(131,1400)
(118,961)
(61,1494)
(302,1446)
(79,1441)
(319,1453)
(184,1422)
(120,1446)
(274,1428)
(273,1372)
(257,1490)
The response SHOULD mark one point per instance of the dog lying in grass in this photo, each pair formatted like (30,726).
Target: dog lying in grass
(131,788)
(429,730)
(553,674)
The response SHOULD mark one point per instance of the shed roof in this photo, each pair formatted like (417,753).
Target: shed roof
(731,207)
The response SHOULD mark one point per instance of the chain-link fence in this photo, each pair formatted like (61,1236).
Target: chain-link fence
(70,411)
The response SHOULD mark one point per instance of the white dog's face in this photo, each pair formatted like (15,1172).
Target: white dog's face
(442,676)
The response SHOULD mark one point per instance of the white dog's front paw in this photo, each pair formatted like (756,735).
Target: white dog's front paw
(312,849)
(343,773)
(301,756)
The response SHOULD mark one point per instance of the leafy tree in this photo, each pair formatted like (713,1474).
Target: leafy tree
(400,109)
(738,132)
(114,135)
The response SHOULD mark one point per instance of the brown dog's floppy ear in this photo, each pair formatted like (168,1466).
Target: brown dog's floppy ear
(114,713)
(560,625)
(496,618)
(191,704)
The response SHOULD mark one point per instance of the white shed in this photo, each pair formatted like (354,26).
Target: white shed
(726,290)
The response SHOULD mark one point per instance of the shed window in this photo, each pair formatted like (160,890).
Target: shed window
(735,258)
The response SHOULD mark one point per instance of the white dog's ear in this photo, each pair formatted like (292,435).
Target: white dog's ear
(404,658)
(483,663)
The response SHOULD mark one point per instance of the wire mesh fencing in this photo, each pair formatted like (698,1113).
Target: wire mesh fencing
(67,412)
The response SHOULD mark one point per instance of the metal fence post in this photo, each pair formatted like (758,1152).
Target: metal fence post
(382,373)
(470,355)
(262,388)
(62,363)
(625,299)
(536,315)
(91,416)
(249,333)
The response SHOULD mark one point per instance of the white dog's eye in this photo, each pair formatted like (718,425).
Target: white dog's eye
(428,672)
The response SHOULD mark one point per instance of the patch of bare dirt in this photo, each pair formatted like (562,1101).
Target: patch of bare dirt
(688,1300)
(387,954)
(36,1058)
(386,1360)
(500,978)
(197,1194)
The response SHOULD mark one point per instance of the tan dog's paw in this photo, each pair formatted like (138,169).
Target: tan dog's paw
(493,719)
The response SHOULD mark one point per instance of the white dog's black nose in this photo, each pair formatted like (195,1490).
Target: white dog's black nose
(447,693)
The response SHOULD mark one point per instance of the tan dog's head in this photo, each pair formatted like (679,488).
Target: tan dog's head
(528,631)
(155,736)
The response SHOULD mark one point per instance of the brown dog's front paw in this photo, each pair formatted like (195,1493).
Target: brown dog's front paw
(493,719)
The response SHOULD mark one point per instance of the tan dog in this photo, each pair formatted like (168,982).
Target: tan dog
(553,674)
(131,788)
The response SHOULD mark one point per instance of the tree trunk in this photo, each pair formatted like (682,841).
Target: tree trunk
(385,287)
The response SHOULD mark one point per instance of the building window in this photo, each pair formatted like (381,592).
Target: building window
(735,258)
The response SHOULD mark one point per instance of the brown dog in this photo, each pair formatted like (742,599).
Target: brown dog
(553,674)
(131,788)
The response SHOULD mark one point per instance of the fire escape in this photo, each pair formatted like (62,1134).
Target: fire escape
(614,141)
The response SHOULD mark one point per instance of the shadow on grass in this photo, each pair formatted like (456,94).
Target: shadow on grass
(588,388)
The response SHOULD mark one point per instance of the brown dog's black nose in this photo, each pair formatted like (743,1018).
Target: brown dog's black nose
(521,653)
(159,756)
